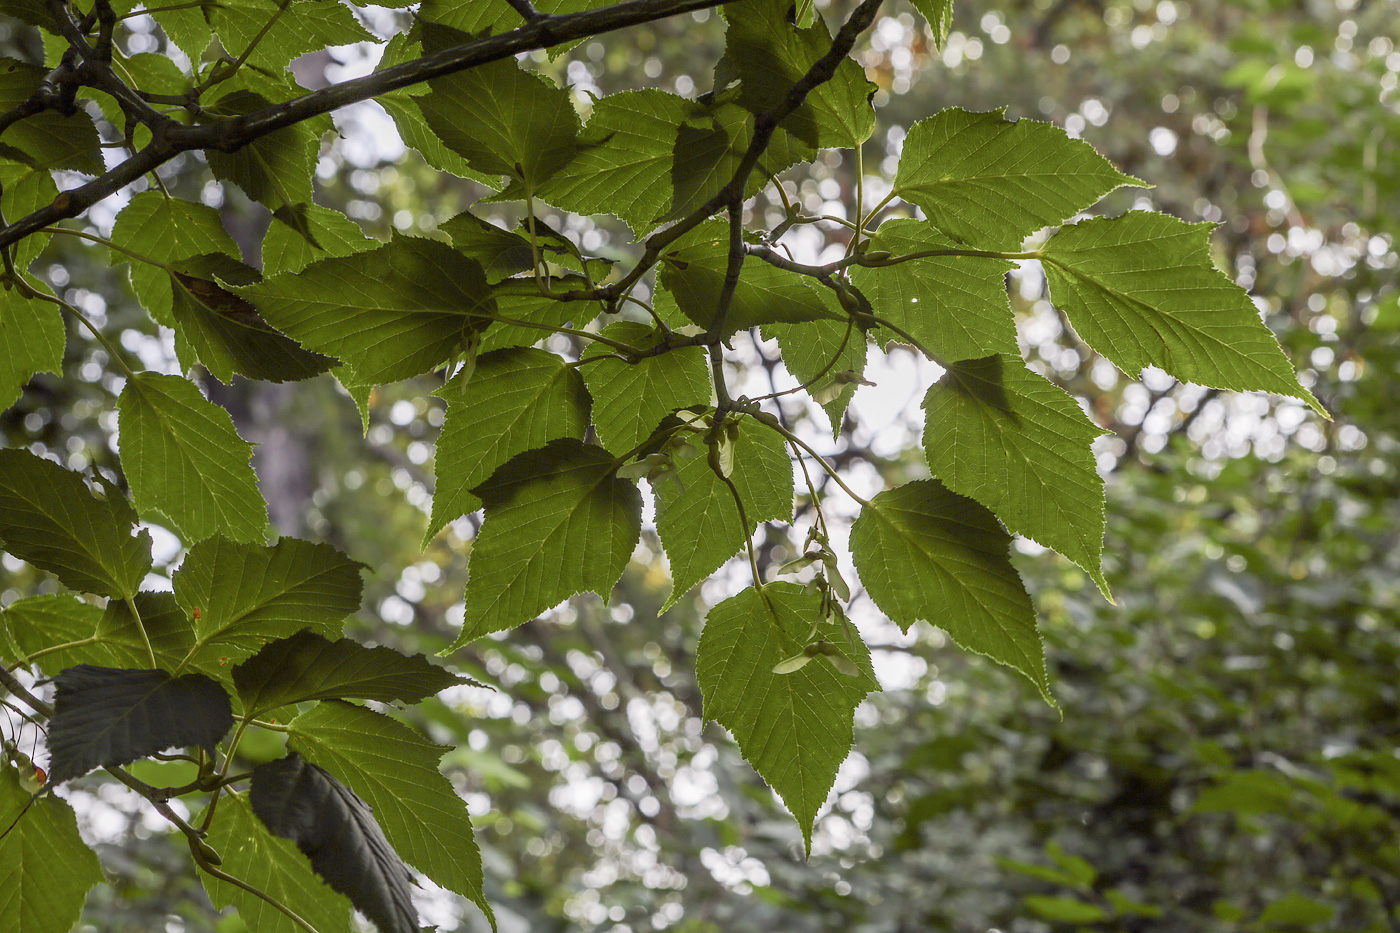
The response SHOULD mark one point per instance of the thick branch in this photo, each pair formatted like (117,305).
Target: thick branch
(172,138)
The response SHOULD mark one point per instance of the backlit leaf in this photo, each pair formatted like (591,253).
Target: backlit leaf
(301,234)
(795,728)
(516,400)
(242,596)
(924,552)
(630,399)
(1141,290)
(696,517)
(389,313)
(166,230)
(46,869)
(49,518)
(956,306)
(32,333)
(558,522)
(990,182)
(1018,444)
(186,462)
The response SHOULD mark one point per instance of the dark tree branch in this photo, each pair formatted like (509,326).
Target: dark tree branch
(171,138)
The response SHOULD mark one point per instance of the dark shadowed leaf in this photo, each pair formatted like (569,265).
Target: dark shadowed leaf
(309,667)
(113,715)
(337,831)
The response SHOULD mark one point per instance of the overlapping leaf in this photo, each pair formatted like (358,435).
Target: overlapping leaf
(47,140)
(185,460)
(338,833)
(162,230)
(395,771)
(275,169)
(49,518)
(63,631)
(795,729)
(924,552)
(241,596)
(769,54)
(693,271)
(301,234)
(223,331)
(956,306)
(501,119)
(1141,290)
(696,517)
(45,868)
(820,354)
(389,313)
(516,400)
(1020,445)
(273,32)
(251,853)
(500,252)
(558,522)
(630,399)
(309,667)
(990,182)
(112,716)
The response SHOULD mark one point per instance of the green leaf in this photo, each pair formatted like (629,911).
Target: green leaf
(1297,910)
(795,728)
(769,54)
(954,305)
(1141,290)
(276,169)
(1020,445)
(48,140)
(60,630)
(32,333)
(500,252)
(991,182)
(696,517)
(817,353)
(395,771)
(518,399)
(45,869)
(924,552)
(304,233)
(1065,909)
(26,190)
(630,399)
(624,160)
(49,518)
(42,623)
(224,331)
(252,854)
(939,16)
(185,461)
(558,522)
(519,300)
(241,596)
(166,230)
(118,641)
(693,271)
(501,119)
(303,26)
(390,313)
(309,667)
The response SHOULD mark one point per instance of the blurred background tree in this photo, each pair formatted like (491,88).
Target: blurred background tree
(1226,755)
